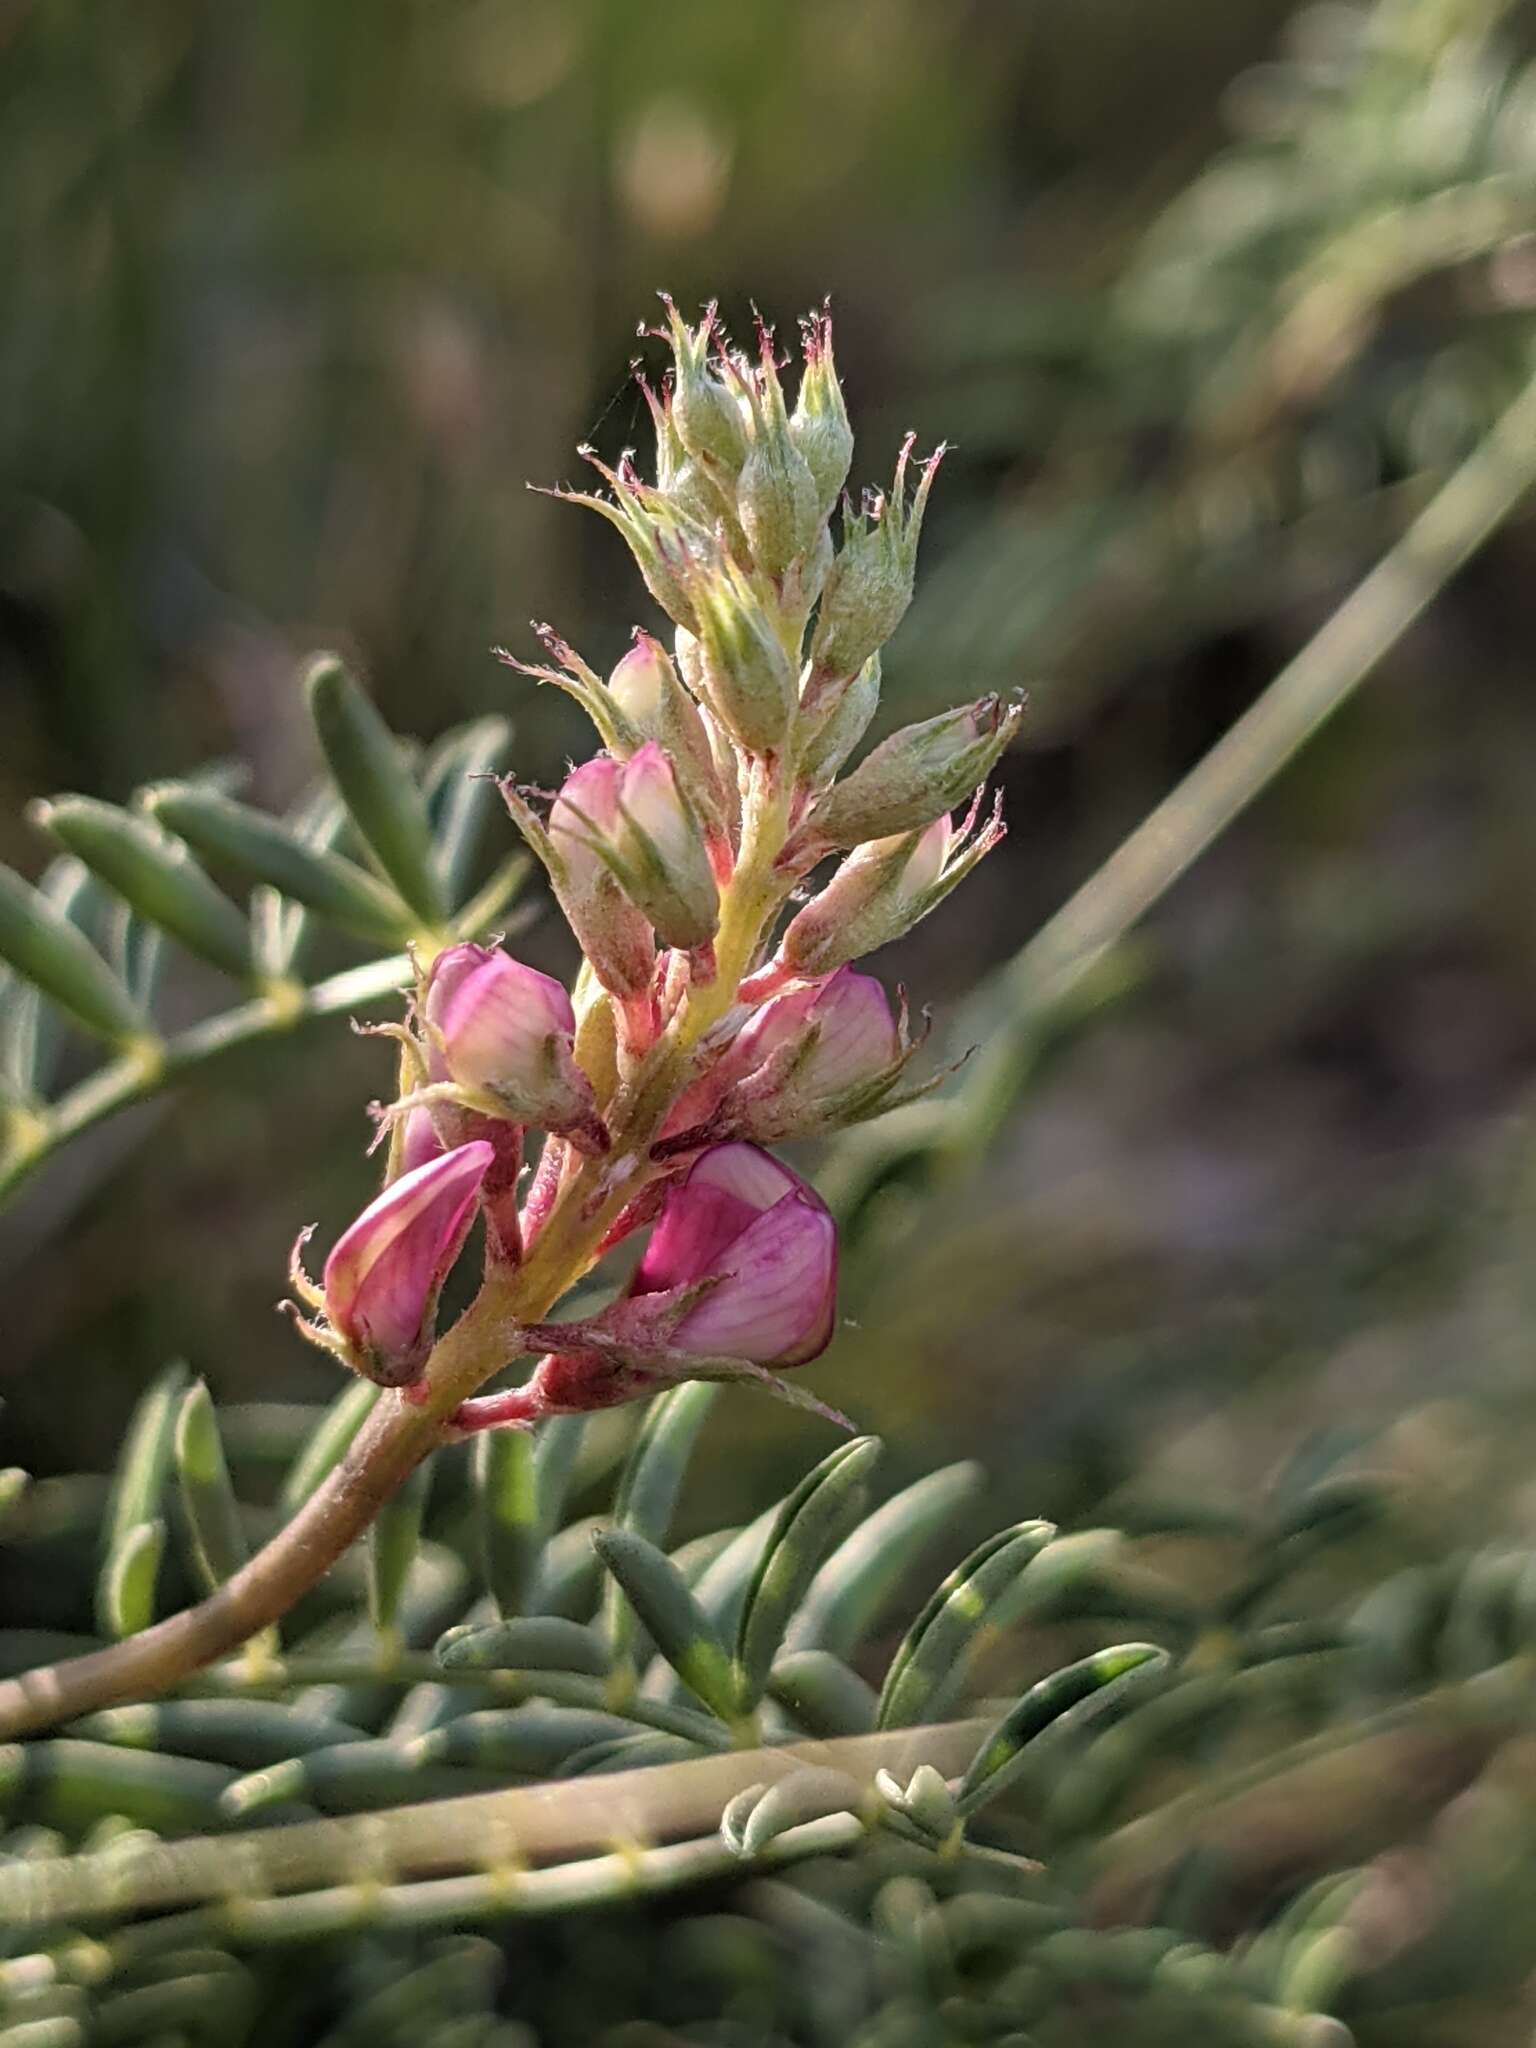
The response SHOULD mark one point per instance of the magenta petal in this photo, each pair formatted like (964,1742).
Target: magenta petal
(777,1303)
(384,1273)
(696,1229)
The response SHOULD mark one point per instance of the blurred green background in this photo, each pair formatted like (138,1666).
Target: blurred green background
(300,298)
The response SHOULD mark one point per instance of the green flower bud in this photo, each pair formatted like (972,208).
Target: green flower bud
(843,727)
(870,586)
(776,493)
(746,678)
(819,425)
(705,414)
(666,542)
(882,890)
(915,775)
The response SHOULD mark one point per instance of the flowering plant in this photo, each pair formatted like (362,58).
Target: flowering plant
(691,1037)
(721,868)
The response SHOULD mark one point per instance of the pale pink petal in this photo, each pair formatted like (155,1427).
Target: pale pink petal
(384,1271)
(778,1301)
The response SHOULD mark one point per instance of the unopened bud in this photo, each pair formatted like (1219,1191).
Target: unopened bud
(747,679)
(659,852)
(916,774)
(843,726)
(882,890)
(646,688)
(812,1060)
(665,540)
(776,493)
(383,1279)
(819,424)
(505,1031)
(705,414)
(870,586)
(613,934)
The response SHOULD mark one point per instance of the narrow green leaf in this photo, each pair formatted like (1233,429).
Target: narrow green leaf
(394,1537)
(504,1479)
(857,1582)
(376,786)
(214,1523)
(678,1625)
(135,952)
(810,1522)
(328,1445)
(461,797)
(822,1693)
(247,1735)
(631,1753)
(978,1597)
(350,1777)
(535,1642)
(154,872)
(720,1590)
(125,1592)
(533,1741)
(648,1490)
(1001,1754)
(46,949)
(70,1784)
(265,849)
(144,1462)
(556,1454)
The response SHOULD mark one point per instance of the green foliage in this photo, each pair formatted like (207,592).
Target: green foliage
(1100,1842)
(385,853)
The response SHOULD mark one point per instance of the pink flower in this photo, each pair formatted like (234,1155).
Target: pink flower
(744,1221)
(813,1047)
(613,933)
(383,1278)
(506,1031)
(421,1144)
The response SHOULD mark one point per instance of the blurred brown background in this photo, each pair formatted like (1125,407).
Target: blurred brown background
(299,299)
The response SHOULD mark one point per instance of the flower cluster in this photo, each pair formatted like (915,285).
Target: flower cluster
(717,1010)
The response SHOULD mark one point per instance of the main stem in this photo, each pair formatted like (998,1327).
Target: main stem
(399,1433)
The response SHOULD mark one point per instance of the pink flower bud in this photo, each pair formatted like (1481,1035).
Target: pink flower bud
(882,889)
(647,690)
(505,1030)
(812,1060)
(744,1221)
(613,933)
(661,852)
(386,1272)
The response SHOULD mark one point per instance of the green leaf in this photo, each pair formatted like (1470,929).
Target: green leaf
(328,1445)
(394,1536)
(46,949)
(822,1693)
(809,1523)
(214,1523)
(125,1592)
(533,1741)
(998,1760)
(977,1597)
(648,1490)
(155,872)
(857,1582)
(385,804)
(535,1642)
(69,1784)
(758,1817)
(270,850)
(678,1625)
(144,1462)
(245,1734)
(504,1481)
(461,796)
